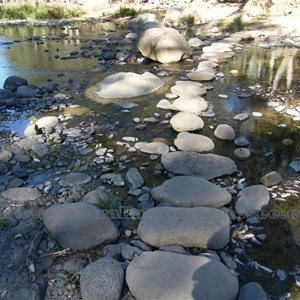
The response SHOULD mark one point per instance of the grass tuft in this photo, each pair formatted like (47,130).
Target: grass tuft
(236,25)
(41,12)
(125,12)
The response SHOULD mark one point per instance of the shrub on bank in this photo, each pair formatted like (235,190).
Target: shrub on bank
(25,11)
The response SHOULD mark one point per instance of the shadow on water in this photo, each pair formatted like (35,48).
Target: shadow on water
(275,71)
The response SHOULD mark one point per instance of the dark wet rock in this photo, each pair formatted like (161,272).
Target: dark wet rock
(251,199)
(25,91)
(242,153)
(6,94)
(11,83)
(102,279)
(168,276)
(79,226)
(189,191)
(21,194)
(186,141)
(202,227)
(252,290)
(207,166)
(241,141)
(272,178)
(75,179)
(155,43)
(120,85)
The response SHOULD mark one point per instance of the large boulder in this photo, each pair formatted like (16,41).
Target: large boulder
(202,227)
(102,279)
(190,191)
(11,83)
(79,226)
(128,85)
(163,275)
(165,45)
(207,166)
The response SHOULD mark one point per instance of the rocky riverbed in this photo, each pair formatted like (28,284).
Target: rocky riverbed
(135,201)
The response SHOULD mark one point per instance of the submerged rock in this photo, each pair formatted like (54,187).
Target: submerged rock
(128,85)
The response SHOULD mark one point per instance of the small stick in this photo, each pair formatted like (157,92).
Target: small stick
(57,253)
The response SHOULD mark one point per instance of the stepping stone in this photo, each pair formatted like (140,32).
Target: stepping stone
(207,166)
(21,194)
(102,279)
(224,132)
(183,121)
(75,179)
(193,104)
(201,76)
(202,227)
(186,141)
(163,275)
(79,226)
(188,89)
(189,191)
(155,148)
(251,199)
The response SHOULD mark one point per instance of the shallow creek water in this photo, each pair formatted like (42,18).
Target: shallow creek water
(260,72)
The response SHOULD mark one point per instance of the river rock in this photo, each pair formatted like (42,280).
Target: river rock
(79,226)
(134,179)
(186,141)
(5,156)
(25,91)
(169,276)
(183,121)
(75,179)
(155,148)
(191,104)
(203,227)
(272,178)
(11,83)
(21,194)
(251,199)
(6,94)
(252,290)
(128,85)
(224,132)
(207,166)
(48,123)
(165,45)
(241,117)
(195,42)
(201,75)
(241,141)
(242,153)
(187,89)
(163,104)
(102,279)
(190,191)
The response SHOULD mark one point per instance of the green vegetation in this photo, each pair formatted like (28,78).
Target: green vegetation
(106,201)
(24,11)
(188,20)
(237,24)
(126,12)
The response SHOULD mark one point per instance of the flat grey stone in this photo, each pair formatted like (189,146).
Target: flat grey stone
(295,165)
(5,156)
(186,141)
(201,75)
(202,227)
(79,226)
(241,117)
(251,199)
(224,132)
(183,121)
(134,179)
(21,194)
(188,89)
(163,275)
(207,166)
(189,191)
(128,85)
(75,179)
(102,279)
(241,141)
(271,178)
(190,104)
(155,148)
(251,291)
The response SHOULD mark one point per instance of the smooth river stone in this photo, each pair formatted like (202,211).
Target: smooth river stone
(224,132)
(128,85)
(21,194)
(188,89)
(207,166)
(79,226)
(48,123)
(186,141)
(194,105)
(183,121)
(201,75)
(163,275)
(251,199)
(202,227)
(75,179)
(155,148)
(190,191)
